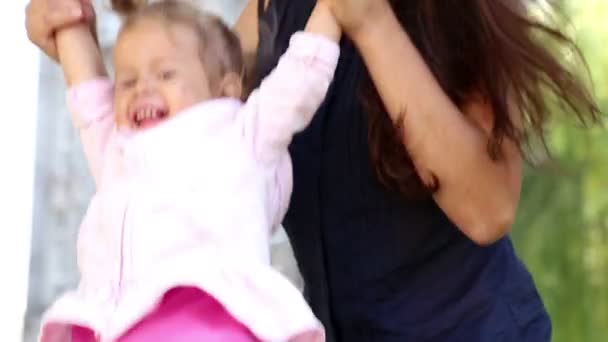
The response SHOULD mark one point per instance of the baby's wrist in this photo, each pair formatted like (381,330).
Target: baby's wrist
(70,29)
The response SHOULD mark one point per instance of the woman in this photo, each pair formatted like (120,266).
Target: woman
(399,222)
(401,207)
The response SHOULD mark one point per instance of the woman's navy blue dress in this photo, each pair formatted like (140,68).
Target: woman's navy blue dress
(378,268)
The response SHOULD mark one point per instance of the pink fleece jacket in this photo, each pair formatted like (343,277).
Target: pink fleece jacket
(193,202)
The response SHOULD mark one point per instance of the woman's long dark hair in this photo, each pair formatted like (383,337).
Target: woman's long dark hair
(487,48)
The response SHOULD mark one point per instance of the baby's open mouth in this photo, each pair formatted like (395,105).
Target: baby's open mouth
(148,116)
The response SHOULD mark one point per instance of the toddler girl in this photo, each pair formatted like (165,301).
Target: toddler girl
(190,181)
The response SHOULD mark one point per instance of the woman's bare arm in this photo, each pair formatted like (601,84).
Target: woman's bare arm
(478,194)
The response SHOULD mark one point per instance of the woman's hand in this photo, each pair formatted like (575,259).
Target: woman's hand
(44,17)
(355,15)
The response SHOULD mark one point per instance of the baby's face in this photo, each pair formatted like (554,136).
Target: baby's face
(158,72)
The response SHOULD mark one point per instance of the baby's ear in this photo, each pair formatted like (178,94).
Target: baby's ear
(231,85)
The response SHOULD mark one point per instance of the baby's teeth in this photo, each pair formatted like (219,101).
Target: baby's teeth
(146,113)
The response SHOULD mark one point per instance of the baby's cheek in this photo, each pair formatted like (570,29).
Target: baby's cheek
(121,119)
(199,87)
(120,113)
(120,109)
(189,95)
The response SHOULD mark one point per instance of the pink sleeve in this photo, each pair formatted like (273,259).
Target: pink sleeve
(283,184)
(91,106)
(287,99)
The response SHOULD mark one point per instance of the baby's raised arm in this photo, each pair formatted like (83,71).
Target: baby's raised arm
(89,96)
(79,54)
(288,97)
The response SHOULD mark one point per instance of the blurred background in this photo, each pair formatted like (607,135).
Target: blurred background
(561,232)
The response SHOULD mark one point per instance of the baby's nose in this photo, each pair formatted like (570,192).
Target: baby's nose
(146,85)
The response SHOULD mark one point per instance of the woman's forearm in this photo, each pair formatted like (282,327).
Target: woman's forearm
(478,194)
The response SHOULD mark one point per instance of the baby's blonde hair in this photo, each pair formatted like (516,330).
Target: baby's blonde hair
(219,47)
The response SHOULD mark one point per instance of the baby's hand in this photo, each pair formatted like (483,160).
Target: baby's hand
(323,22)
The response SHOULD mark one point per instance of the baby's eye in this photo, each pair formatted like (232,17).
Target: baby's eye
(128,83)
(167,75)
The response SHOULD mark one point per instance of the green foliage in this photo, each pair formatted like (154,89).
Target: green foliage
(562,228)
